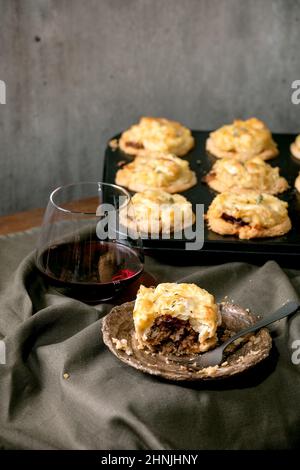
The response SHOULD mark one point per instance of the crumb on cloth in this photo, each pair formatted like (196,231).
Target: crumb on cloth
(122,345)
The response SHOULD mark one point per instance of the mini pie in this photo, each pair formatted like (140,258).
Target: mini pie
(297,183)
(157,135)
(156,211)
(175,319)
(242,140)
(248,214)
(295,147)
(229,174)
(159,170)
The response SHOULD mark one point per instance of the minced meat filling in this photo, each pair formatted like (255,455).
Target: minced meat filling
(135,145)
(234,220)
(209,177)
(170,335)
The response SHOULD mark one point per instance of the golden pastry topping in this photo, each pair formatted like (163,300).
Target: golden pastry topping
(229,174)
(157,135)
(242,138)
(252,208)
(158,170)
(157,211)
(183,301)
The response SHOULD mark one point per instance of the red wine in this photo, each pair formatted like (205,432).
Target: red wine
(90,270)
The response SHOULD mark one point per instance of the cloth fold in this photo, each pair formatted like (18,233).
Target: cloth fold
(62,389)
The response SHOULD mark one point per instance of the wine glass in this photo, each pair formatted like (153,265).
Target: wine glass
(83,248)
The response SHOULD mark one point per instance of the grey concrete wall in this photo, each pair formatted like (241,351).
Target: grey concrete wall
(79,71)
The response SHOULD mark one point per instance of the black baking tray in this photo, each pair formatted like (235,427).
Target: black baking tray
(285,249)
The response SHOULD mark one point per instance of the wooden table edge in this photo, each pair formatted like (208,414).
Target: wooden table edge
(21,221)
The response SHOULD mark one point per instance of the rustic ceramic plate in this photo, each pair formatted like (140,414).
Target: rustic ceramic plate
(118,326)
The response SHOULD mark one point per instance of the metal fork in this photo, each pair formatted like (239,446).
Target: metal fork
(215,356)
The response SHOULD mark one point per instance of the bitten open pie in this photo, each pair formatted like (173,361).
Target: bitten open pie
(295,147)
(242,140)
(159,170)
(175,319)
(156,135)
(229,174)
(155,211)
(248,214)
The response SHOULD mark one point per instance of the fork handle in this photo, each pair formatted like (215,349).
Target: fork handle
(282,312)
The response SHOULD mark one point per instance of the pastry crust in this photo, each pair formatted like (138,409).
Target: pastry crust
(157,135)
(249,214)
(159,170)
(297,183)
(182,301)
(295,147)
(246,233)
(154,211)
(242,140)
(229,174)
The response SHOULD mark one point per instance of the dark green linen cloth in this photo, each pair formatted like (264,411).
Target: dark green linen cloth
(104,404)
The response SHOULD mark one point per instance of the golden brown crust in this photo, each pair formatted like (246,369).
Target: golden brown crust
(229,174)
(226,228)
(219,186)
(158,170)
(264,155)
(178,187)
(156,135)
(248,214)
(242,140)
(154,211)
